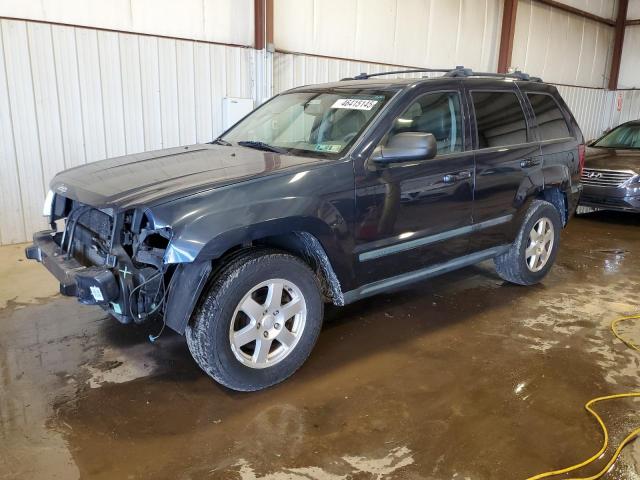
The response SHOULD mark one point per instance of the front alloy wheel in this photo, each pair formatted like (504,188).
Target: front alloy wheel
(268,323)
(258,320)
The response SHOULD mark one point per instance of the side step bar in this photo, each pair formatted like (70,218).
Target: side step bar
(422,274)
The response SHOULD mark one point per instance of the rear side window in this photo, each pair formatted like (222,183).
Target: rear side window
(551,122)
(500,119)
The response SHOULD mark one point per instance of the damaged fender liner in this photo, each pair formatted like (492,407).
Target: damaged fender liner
(190,279)
(331,285)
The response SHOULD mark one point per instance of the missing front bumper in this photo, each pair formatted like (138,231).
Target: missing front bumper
(92,285)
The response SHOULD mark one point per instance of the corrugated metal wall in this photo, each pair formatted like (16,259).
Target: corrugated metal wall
(74,95)
(630,107)
(602,8)
(71,95)
(561,47)
(404,32)
(630,63)
(633,11)
(292,70)
(223,21)
(591,107)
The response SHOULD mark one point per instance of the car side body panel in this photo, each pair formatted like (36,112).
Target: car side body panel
(317,200)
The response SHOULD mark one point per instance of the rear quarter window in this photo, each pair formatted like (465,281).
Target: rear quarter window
(551,122)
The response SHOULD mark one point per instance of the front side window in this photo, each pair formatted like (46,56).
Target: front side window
(551,122)
(625,137)
(499,118)
(323,122)
(435,113)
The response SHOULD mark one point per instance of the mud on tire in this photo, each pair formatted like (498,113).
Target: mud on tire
(210,332)
(512,265)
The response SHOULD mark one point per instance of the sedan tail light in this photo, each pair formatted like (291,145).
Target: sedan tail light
(581,155)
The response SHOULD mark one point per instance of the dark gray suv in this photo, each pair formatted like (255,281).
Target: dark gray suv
(325,193)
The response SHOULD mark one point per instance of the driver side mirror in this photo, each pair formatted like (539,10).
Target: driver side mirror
(405,147)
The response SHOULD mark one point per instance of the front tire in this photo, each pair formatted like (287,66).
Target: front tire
(534,251)
(258,320)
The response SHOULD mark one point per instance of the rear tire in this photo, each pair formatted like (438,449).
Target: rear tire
(239,334)
(534,251)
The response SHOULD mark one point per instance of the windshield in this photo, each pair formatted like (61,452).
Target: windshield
(624,137)
(324,122)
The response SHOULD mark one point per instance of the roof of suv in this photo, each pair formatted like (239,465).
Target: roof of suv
(378,83)
(371,81)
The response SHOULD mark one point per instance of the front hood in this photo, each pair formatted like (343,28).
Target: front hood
(155,177)
(611,159)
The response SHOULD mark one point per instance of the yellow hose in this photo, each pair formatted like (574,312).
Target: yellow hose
(605,432)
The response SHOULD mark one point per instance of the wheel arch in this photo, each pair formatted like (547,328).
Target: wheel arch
(307,247)
(557,181)
(191,278)
(558,198)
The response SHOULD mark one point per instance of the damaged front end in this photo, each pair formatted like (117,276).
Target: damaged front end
(114,259)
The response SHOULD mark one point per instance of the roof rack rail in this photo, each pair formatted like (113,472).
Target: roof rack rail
(458,71)
(517,74)
(365,76)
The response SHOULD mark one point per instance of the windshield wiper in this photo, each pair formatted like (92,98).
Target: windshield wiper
(261,146)
(617,147)
(219,141)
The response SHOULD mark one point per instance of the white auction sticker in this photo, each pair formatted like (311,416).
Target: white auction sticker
(355,103)
(97,294)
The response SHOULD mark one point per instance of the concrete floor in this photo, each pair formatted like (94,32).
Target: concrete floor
(462,377)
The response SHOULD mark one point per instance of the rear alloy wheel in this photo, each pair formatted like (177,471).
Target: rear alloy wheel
(532,254)
(540,245)
(258,320)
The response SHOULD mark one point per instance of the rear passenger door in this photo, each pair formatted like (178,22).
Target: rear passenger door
(508,164)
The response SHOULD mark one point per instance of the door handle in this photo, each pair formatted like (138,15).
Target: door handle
(454,177)
(528,163)
(448,178)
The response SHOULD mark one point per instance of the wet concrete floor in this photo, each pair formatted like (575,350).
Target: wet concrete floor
(461,377)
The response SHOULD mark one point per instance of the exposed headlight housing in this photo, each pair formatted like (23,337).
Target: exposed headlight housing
(48,204)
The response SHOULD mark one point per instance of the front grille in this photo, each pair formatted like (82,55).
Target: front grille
(606,178)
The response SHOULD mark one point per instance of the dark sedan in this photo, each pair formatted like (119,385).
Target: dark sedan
(611,176)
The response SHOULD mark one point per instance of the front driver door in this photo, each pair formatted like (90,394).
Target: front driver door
(413,214)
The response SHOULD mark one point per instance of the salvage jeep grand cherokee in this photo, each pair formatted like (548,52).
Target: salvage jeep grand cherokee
(326,193)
